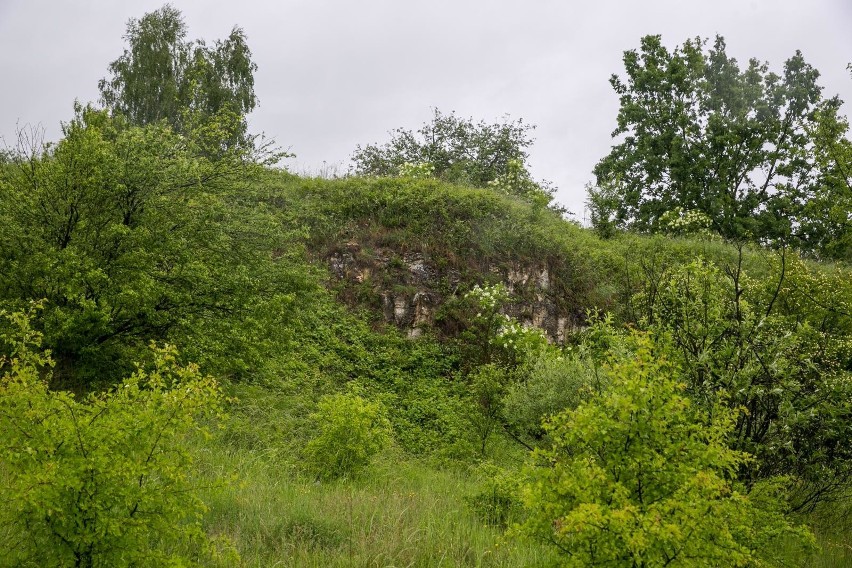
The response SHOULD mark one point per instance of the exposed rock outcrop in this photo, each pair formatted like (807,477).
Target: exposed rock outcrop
(409,288)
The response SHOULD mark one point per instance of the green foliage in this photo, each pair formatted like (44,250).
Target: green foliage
(105,480)
(825,220)
(773,357)
(131,234)
(405,513)
(516,181)
(496,500)
(603,201)
(460,151)
(482,322)
(318,349)
(154,220)
(697,130)
(162,76)
(640,476)
(493,336)
(486,388)
(801,342)
(460,228)
(550,384)
(349,432)
(519,341)
(420,170)
(680,223)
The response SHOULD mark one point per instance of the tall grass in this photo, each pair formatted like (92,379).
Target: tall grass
(400,513)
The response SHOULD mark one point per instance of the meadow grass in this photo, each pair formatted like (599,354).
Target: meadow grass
(832,526)
(401,512)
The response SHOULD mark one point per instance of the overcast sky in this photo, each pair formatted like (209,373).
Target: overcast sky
(333,74)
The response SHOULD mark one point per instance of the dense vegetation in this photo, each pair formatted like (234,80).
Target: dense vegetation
(758,155)
(186,382)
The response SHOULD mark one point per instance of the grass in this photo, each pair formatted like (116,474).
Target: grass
(402,512)
(832,525)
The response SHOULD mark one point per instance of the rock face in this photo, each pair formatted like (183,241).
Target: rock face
(409,288)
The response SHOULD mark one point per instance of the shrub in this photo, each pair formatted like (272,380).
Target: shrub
(493,336)
(486,388)
(639,476)
(101,480)
(350,431)
(496,502)
(552,385)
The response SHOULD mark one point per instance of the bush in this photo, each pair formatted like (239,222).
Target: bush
(102,480)
(486,389)
(496,502)
(639,476)
(350,431)
(553,384)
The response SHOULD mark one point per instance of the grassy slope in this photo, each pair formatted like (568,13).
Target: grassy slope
(409,509)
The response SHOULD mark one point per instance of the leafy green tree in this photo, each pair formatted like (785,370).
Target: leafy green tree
(131,234)
(163,76)
(102,480)
(460,151)
(780,347)
(486,389)
(826,224)
(641,476)
(701,133)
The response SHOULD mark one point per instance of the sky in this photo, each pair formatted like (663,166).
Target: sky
(335,74)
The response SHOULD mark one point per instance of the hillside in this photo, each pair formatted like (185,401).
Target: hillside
(404,255)
(206,360)
(392,321)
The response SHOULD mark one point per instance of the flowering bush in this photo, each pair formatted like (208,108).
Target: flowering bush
(514,336)
(502,331)
(419,170)
(682,222)
(488,298)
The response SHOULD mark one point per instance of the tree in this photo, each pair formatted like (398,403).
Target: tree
(639,476)
(826,224)
(162,76)
(459,151)
(101,480)
(780,347)
(132,234)
(702,134)
(486,389)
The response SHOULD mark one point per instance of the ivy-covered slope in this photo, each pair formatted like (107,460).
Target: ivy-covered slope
(406,249)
